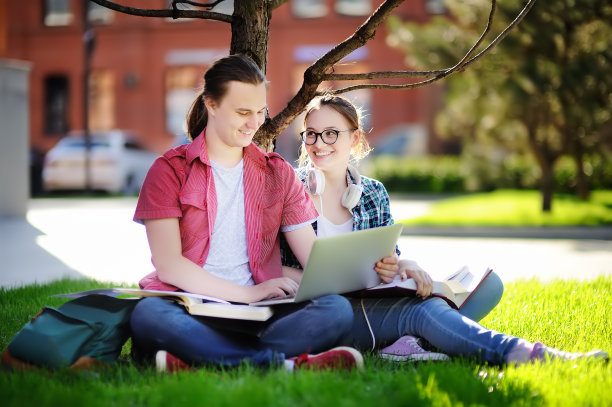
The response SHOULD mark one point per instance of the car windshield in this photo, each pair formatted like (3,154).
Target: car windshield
(74,142)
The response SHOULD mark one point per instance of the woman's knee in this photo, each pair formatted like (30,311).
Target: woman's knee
(496,286)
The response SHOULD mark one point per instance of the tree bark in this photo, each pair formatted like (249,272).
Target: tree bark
(251,30)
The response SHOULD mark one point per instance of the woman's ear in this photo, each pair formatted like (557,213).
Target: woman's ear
(356,137)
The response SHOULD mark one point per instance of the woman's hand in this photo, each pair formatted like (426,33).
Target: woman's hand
(273,288)
(387,267)
(410,269)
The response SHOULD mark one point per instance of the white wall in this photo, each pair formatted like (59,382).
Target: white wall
(14,137)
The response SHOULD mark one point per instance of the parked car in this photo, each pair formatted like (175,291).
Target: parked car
(118,163)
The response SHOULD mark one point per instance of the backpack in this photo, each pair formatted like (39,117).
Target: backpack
(82,333)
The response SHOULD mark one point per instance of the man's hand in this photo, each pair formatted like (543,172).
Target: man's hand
(273,288)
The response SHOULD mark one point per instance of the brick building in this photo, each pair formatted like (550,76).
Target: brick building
(145,71)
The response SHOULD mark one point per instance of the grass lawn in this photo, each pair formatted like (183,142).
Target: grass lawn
(571,315)
(517,208)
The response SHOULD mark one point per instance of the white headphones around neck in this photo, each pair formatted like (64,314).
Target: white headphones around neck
(315,182)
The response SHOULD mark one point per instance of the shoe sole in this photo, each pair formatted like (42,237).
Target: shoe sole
(160,361)
(415,357)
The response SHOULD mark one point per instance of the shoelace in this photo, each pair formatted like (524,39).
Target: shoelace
(300,360)
(414,345)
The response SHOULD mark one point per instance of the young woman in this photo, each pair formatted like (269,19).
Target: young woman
(213,210)
(348,201)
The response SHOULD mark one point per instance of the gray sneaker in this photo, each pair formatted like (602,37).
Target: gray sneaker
(407,349)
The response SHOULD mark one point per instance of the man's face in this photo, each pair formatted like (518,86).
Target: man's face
(234,120)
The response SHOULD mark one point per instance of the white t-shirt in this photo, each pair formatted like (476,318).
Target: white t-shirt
(228,257)
(326,228)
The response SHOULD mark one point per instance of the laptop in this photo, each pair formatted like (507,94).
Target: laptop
(343,263)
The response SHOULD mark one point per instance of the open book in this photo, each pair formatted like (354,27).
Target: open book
(455,288)
(195,304)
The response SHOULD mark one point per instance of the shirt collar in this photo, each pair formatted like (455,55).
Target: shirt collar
(197,149)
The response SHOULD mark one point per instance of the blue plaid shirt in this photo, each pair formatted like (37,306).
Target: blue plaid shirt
(372,211)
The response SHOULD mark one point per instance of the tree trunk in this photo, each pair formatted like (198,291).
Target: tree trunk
(250,30)
(547,186)
(546,158)
(582,183)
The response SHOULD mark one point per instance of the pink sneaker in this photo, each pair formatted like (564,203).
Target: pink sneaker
(407,349)
(167,362)
(542,353)
(340,358)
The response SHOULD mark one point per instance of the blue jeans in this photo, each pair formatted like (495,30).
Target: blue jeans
(433,320)
(312,326)
(484,299)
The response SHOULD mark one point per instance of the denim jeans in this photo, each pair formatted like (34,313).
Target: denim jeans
(433,320)
(484,299)
(312,326)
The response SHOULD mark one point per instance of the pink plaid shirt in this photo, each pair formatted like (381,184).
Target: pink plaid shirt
(180,185)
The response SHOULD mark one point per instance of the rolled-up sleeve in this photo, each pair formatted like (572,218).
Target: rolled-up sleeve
(159,195)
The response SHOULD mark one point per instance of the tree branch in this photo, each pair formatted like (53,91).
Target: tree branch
(480,40)
(380,75)
(315,73)
(437,75)
(166,13)
(361,36)
(503,34)
(274,4)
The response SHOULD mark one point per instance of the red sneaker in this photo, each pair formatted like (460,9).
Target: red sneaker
(340,358)
(167,362)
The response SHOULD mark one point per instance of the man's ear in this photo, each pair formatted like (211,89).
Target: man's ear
(210,105)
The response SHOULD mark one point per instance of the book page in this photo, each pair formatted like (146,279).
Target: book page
(158,293)
(221,310)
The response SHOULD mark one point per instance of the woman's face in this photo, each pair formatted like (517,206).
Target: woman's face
(234,119)
(330,156)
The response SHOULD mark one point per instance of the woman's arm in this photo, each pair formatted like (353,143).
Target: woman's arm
(173,268)
(300,241)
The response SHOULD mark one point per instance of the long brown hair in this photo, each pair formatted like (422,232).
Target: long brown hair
(350,112)
(239,68)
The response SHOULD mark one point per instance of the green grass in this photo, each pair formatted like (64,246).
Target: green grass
(571,315)
(517,208)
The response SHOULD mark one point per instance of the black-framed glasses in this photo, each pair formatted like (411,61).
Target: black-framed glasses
(328,136)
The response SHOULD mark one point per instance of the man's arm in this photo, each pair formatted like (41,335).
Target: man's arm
(173,268)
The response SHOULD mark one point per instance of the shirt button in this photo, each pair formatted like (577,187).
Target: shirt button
(200,261)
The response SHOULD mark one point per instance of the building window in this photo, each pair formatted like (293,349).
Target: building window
(97,14)
(353,7)
(309,8)
(57,13)
(56,104)
(182,83)
(102,100)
